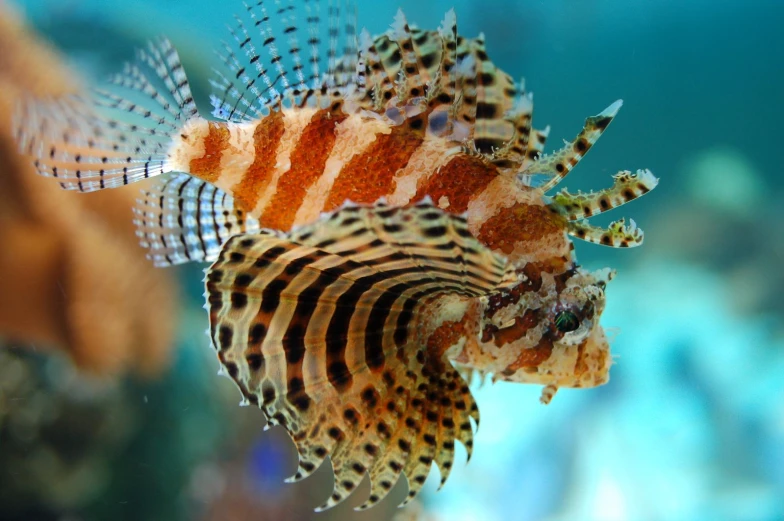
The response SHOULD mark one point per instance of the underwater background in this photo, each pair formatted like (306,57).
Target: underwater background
(691,425)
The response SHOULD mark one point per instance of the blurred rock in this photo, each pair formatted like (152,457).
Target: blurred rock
(73,275)
(724,179)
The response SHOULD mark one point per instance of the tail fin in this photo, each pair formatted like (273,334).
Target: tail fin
(111,138)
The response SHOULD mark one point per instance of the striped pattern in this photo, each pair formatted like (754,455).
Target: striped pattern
(182,219)
(318,327)
(308,161)
(106,141)
(626,188)
(302,162)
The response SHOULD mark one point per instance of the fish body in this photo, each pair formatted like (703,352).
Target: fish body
(379,230)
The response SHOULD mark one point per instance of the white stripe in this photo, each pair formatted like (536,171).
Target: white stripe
(430,156)
(238,155)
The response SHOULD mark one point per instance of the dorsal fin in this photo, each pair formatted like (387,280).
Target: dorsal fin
(288,14)
(411,83)
(313,17)
(347,64)
(333,31)
(259,78)
(496,96)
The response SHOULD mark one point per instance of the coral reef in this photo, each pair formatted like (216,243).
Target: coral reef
(74,277)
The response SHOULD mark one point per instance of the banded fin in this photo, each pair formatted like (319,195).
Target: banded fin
(536,143)
(319,327)
(557,165)
(627,187)
(509,153)
(343,64)
(617,235)
(500,108)
(110,140)
(411,84)
(183,219)
(257,77)
(481,105)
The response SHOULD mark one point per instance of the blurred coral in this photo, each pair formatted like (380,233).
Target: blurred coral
(73,276)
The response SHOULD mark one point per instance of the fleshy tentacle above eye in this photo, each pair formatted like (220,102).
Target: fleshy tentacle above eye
(319,327)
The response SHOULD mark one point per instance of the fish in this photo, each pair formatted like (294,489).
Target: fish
(377,220)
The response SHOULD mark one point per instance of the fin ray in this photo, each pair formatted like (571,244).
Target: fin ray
(183,219)
(317,326)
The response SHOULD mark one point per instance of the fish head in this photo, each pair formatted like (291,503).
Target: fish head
(545,330)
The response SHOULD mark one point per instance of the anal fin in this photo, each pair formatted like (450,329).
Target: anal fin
(183,219)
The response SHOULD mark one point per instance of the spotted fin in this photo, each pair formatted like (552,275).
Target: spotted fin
(319,327)
(627,187)
(78,141)
(182,219)
(262,67)
(617,235)
(502,113)
(535,147)
(556,166)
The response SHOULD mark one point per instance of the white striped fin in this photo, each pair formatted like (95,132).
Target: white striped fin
(313,14)
(263,66)
(119,135)
(183,219)
(288,16)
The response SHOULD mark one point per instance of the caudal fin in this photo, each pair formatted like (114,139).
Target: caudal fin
(110,137)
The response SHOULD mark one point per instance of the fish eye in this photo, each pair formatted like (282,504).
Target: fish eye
(566,321)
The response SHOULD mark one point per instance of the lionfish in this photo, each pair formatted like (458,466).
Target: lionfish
(379,231)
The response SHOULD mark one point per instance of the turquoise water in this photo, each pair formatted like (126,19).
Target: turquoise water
(691,425)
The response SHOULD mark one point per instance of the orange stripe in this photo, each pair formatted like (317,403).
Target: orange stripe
(458,181)
(369,176)
(307,165)
(521,223)
(207,167)
(266,139)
